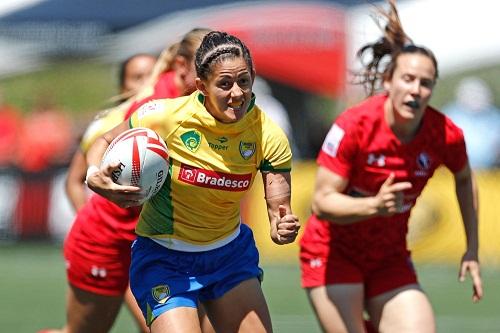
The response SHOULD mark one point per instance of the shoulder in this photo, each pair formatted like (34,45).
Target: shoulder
(443,126)
(364,115)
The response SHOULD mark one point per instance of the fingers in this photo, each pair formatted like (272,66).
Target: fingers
(477,285)
(287,227)
(389,180)
(282,210)
(108,169)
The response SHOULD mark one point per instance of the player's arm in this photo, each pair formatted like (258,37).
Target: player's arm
(99,179)
(75,180)
(277,189)
(467,196)
(330,203)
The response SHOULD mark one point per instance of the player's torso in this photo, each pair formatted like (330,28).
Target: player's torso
(212,165)
(380,152)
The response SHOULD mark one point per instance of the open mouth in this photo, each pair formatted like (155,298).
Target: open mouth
(413,104)
(236,106)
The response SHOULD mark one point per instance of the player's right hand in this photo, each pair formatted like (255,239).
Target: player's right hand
(390,198)
(122,195)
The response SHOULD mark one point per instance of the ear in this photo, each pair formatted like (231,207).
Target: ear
(200,85)
(180,65)
(387,85)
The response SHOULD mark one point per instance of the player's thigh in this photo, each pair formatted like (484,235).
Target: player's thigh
(338,307)
(89,312)
(405,309)
(177,320)
(241,309)
(135,311)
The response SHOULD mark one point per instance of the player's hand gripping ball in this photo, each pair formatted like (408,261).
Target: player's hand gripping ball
(143,160)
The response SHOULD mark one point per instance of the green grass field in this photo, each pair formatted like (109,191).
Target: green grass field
(33,284)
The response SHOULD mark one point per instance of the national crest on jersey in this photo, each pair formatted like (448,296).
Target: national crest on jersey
(191,140)
(213,164)
(247,149)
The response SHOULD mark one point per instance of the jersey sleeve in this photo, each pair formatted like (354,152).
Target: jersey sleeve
(276,152)
(455,153)
(100,125)
(151,115)
(340,146)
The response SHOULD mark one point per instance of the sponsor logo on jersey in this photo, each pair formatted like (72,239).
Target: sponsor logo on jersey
(332,140)
(191,140)
(222,140)
(424,164)
(247,149)
(148,108)
(216,146)
(161,293)
(376,159)
(212,179)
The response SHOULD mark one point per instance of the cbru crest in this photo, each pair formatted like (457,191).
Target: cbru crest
(247,149)
(191,140)
(161,293)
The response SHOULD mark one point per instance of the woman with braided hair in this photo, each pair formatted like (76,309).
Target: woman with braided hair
(97,248)
(373,165)
(192,247)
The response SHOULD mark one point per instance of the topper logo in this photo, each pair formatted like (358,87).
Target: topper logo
(212,179)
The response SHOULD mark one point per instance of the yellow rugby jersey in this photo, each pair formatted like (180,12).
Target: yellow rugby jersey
(212,165)
(100,125)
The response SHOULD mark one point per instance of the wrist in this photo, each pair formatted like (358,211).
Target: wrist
(90,171)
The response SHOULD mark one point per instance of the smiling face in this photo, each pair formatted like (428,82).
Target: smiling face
(410,88)
(228,89)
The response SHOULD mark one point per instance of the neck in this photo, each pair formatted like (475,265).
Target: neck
(405,130)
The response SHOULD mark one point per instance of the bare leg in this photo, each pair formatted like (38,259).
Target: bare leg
(135,311)
(339,308)
(242,309)
(88,312)
(405,309)
(177,320)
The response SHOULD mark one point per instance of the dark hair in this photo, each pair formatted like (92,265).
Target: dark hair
(384,52)
(217,46)
(123,66)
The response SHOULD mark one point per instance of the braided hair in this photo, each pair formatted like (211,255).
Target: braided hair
(217,46)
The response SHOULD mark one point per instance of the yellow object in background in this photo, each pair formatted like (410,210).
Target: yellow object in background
(436,231)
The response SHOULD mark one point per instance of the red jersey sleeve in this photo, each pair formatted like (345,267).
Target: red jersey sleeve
(455,154)
(340,146)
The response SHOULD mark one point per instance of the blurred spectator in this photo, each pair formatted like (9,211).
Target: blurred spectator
(10,128)
(274,109)
(47,138)
(474,112)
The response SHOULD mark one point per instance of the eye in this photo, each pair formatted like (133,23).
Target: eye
(244,82)
(225,84)
(407,78)
(427,83)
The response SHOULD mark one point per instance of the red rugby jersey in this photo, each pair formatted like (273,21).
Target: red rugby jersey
(360,146)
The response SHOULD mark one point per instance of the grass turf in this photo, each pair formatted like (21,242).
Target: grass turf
(33,284)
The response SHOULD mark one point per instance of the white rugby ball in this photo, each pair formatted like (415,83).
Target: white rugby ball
(143,158)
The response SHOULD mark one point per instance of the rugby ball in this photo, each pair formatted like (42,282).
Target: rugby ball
(143,160)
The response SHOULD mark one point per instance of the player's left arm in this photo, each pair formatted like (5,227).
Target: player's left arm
(467,195)
(284,224)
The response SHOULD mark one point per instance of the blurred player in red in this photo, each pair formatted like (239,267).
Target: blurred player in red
(97,249)
(374,163)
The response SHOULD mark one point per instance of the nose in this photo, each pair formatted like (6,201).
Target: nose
(415,87)
(236,91)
